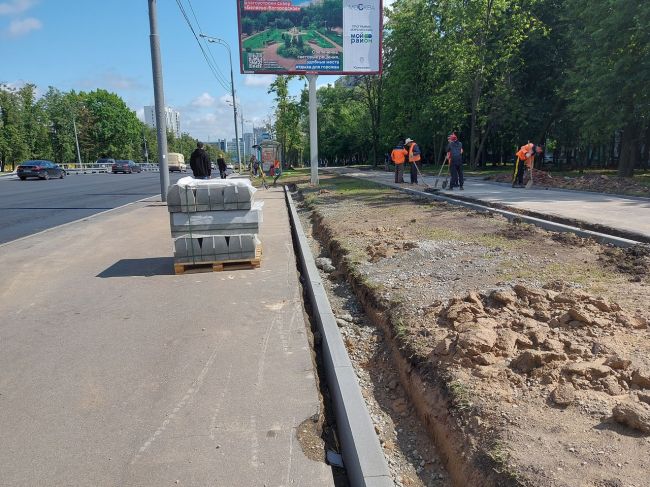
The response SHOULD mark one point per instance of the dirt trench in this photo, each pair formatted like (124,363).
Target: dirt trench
(433,406)
(484,407)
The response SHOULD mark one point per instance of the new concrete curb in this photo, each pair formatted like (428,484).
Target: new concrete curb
(510,215)
(363,456)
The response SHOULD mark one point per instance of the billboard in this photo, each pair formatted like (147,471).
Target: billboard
(310,36)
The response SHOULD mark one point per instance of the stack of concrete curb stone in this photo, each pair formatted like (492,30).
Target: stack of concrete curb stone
(214,221)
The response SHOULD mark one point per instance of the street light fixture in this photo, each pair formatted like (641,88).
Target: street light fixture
(216,40)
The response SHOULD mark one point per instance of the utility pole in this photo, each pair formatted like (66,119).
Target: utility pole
(313,128)
(216,40)
(76,139)
(159,96)
(243,146)
(146,148)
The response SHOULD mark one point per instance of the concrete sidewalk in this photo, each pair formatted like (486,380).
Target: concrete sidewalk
(625,214)
(114,371)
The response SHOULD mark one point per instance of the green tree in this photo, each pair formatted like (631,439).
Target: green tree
(610,75)
(112,127)
(61,109)
(287,120)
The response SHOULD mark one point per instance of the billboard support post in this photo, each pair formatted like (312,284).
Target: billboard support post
(313,128)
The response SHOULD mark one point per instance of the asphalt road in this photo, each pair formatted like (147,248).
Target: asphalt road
(116,372)
(30,206)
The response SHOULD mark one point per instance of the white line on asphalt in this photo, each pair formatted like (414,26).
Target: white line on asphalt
(217,409)
(76,221)
(194,388)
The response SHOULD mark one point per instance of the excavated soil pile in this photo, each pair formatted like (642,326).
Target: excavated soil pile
(550,335)
(536,374)
(588,182)
(518,381)
(633,260)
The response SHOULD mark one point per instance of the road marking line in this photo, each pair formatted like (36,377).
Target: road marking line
(75,221)
(193,389)
(217,409)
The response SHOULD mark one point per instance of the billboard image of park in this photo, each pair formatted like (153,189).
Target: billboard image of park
(286,36)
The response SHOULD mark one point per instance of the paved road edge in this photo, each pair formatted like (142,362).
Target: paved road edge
(363,456)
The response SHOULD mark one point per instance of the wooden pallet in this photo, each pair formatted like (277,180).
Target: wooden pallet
(230,265)
(222,265)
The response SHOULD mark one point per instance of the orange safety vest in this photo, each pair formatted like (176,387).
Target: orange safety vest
(413,157)
(525,153)
(399,156)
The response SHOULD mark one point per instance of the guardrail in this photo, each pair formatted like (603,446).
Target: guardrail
(104,168)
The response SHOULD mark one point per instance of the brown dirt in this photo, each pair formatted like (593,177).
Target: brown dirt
(634,261)
(528,340)
(588,182)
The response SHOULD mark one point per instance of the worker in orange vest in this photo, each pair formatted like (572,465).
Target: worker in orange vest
(414,159)
(524,159)
(398,156)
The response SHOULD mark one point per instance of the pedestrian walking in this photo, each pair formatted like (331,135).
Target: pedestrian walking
(455,159)
(255,165)
(414,159)
(221,164)
(524,159)
(398,156)
(200,162)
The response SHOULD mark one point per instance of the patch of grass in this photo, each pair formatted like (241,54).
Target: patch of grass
(580,273)
(333,36)
(460,395)
(590,276)
(437,233)
(400,328)
(353,187)
(312,36)
(501,457)
(346,188)
(513,269)
(259,41)
(492,241)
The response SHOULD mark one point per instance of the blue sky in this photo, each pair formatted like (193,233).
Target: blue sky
(89,44)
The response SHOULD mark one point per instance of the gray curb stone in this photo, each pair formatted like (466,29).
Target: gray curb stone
(363,456)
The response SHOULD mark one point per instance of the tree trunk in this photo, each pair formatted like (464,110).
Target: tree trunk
(474,162)
(473,136)
(629,150)
(645,157)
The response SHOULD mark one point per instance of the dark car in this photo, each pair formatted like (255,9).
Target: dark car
(39,169)
(127,167)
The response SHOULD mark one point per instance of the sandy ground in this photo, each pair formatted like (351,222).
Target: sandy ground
(540,339)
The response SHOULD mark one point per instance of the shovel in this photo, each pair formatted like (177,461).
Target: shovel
(442,166)
(421,176)
(445,183)
(529,184)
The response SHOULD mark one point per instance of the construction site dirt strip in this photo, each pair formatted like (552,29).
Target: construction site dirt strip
(522,354)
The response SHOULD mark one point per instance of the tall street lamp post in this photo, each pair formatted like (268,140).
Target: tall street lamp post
(216,40)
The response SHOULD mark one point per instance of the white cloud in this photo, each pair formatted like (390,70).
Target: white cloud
(22,27)
(258,80)
(111,80)
(139,112)
(16,6)
(204,100)
(388,3)
(209,123)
